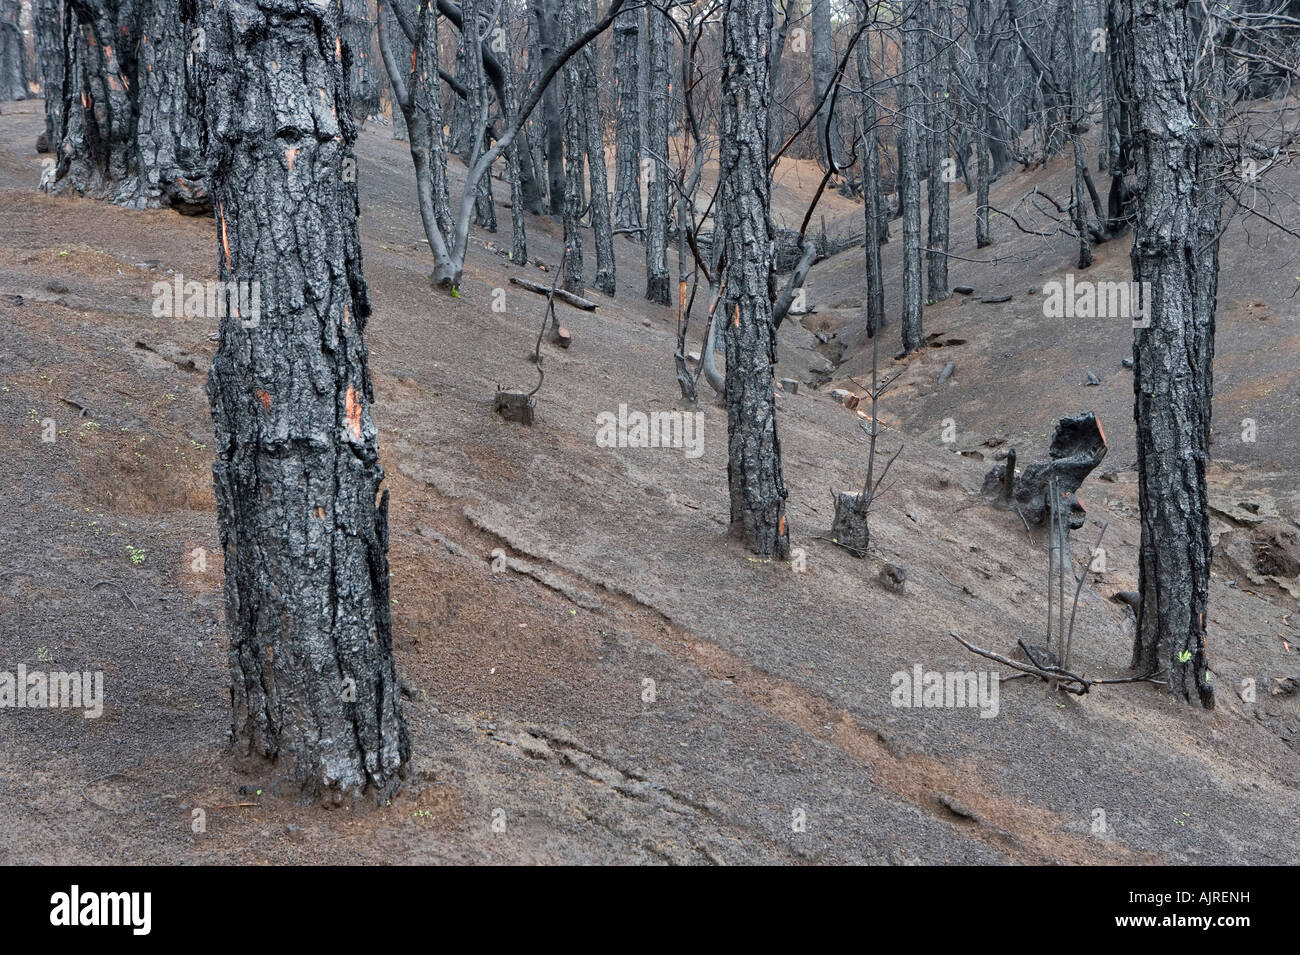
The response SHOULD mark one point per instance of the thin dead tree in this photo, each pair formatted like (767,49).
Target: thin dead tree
(416,92)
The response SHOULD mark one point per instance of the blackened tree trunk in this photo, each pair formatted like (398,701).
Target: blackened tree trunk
(658,52)
(517,159)
(754,476)
(414,82)
(627,131)
(874,302)
(910,131)
(127,131)
(594,133)
(546,17)
(1075,117)
(1174,256)
(978,13)
(363,78)
(823,71)
(780,32)
(942,167)
(400,48)
(574,156)
(470,113)
(47,21)
(297,470)
(13,52)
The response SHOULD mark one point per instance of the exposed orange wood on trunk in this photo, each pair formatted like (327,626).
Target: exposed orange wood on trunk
(352,410)
(225,237)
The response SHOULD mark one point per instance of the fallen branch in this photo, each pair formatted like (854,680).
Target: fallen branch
(1054,674)
(1058,675)
(577,301)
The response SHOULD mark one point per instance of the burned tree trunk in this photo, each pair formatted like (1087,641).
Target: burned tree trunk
(1075,118)
(627,135)
(941,166)
(517,160)
(1175,260)
(602,230)
(823,70)
(574,154)
(362,76)
(873,303)
(470,116)
(390,33)
(415,93)
(658,50)
(297,470)
(780,32)
(754,476)
(546,21)
(13,52)
(128,98)
(47,20)
(978,14)
(910,131)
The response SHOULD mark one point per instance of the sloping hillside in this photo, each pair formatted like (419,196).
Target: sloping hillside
(767,732)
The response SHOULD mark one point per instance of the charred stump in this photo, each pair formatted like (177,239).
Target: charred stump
(849,528)
(1078,446)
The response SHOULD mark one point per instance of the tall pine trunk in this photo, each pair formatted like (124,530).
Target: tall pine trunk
(575,151)
(1175,250)
(128,99)
(297,475)
(823,70)
(47,22)
(13,52)
(978,12)
(627,134)
(658,52)
(754,476)
(546,23)
(941,164)
(363,78)
(910,132)
(873,303)
(602,229)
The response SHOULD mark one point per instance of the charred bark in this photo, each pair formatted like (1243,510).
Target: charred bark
(1175,260)
(517,160)
(910,132)
(978,13)
(658,50)
(602,230)
(873,303)
(823,70)
(754,476)
(416,95)
(128,99)
(297,474)
(942,166)
(574,156)
(363,78)
(47,21)
(547,24)
(627,135)
(13,53)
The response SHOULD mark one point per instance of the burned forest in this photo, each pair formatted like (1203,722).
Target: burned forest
(613,432)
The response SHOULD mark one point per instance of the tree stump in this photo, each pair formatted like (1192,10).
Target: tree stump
(514,406)
(849,527)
